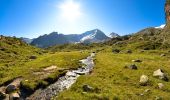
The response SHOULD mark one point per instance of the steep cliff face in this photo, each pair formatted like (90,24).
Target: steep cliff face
(167,14)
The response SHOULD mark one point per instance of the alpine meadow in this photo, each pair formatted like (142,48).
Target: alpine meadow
(88,61)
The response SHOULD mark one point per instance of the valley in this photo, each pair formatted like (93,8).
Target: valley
(87,66)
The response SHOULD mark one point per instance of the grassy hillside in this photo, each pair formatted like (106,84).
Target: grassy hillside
(75,47)
(13,50)
(146,39)
(18,59)
(111,80)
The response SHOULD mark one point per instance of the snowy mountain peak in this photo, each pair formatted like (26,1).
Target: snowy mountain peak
(113,35)
(94,36)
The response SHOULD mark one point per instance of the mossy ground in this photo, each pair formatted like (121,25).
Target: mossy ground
(112,81)
(63,60)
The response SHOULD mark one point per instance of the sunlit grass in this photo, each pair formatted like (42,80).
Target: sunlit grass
(112,81)
(63,60)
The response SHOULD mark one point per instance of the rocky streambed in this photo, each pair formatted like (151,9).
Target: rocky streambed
(64,82)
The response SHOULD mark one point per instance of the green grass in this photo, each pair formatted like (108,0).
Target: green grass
(15,62)
(14,51)
(112,81)
(65,60)
(26,70)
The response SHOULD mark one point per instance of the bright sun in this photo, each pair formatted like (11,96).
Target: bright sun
(70,10)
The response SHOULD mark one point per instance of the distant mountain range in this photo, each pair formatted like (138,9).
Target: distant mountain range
(54,38)
(27,40)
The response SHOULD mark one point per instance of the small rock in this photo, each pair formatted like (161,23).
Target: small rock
(133,67)
(125,67)
(33,57)
(71,74)
(92,54)
(144,80)
(14,96)
(129,51)
(11,88)
(160,74)
(2,95)
(146,48)
(161,85)
(87,88)
(147,90)
(162,55)
(158,98)
(142,51)
(115,51)
(136,60)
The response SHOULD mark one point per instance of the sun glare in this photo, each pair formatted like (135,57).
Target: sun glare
(70,10)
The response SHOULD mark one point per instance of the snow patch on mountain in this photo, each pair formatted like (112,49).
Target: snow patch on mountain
(89,37)
(161,27)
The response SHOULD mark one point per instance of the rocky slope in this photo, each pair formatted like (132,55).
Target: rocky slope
(167,14)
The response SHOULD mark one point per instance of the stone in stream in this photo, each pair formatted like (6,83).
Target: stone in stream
(87,88)
(71,74)
(80,73)
(2,95)
(11,88)
(144,80)
(133,66)
(160,74)
(14,85)
(14,96)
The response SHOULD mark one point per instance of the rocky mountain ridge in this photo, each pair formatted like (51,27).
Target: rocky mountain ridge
(54,38)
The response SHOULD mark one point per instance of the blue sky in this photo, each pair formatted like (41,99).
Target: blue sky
(31,18)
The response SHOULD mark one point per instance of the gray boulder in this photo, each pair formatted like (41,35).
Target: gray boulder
(161,85)
(160,74)
(144,80)
(133,67)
